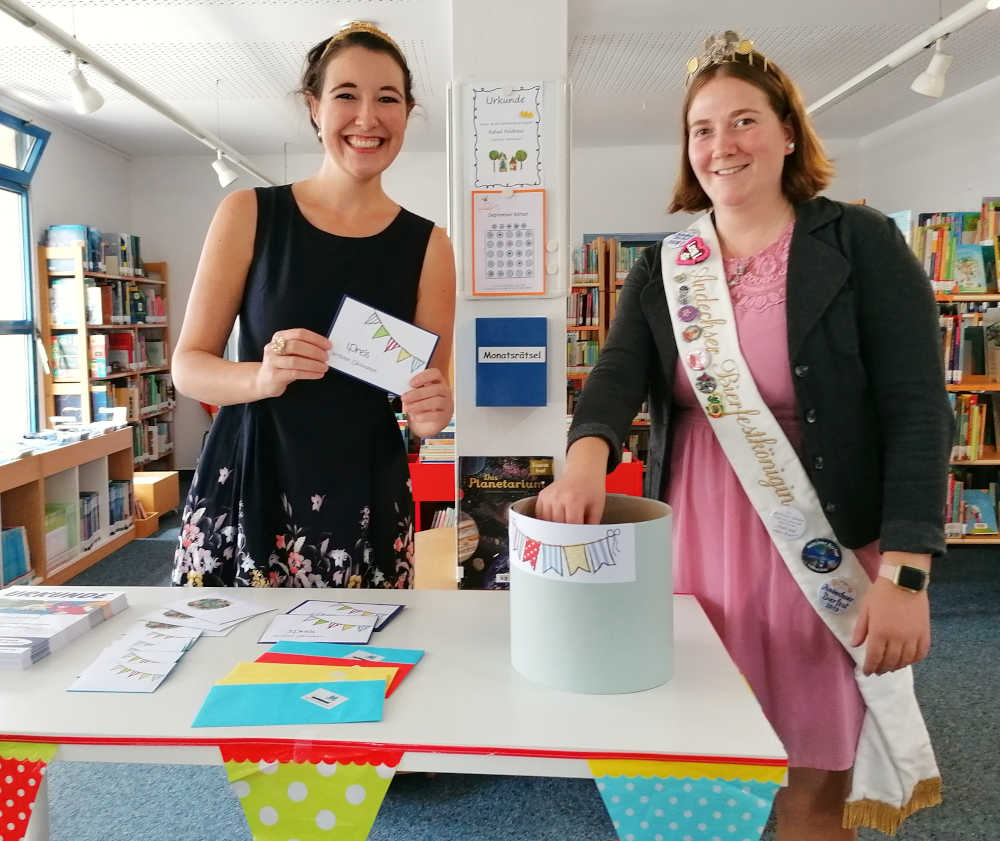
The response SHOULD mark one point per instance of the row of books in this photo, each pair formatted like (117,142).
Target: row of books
(123,302)
(440,448)
(108,354)
(443,517)
(958,250)
(15,557)
(582,351)
(971,511)
(583,308)
(90,520)
(36,622)
(72,527)
(971,348)
(586,258)
(151,440)
(107,252)
(977,424)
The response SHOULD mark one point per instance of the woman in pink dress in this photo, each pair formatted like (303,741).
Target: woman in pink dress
(836,321)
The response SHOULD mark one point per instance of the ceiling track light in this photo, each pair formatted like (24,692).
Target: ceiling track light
(961,17)
(225,173)
(931,81)
(27,16)
(86,100)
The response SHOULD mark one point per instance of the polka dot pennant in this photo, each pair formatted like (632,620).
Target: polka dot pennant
(687,809)
(22,767)
(315,800)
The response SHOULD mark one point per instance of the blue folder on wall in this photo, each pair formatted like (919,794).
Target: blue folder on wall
(511,367)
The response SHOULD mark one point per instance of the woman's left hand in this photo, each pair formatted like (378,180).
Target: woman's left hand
(429,403)
(894,623)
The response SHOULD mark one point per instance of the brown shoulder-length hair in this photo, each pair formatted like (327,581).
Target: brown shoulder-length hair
(807,170)
(323,53)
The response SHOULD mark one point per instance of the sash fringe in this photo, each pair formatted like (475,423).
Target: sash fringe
(886,818)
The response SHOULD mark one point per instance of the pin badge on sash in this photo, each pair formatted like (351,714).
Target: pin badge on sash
(788,522)
(714,406)
(836,595)
(693,251)
(699,360)
(687,313)
(821,555)
(691,333)
(679,238)
(705,383)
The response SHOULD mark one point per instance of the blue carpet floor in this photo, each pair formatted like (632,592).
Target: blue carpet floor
(957,686)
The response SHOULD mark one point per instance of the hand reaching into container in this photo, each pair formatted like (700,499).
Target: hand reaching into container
(578,495)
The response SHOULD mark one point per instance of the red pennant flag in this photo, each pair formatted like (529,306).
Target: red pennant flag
(531,548)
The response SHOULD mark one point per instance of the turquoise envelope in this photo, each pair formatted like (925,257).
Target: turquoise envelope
(316,702)
(336,649)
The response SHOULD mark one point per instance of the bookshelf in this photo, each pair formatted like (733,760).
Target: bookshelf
(107,338)
(960,252)
(600,270)
(33,487)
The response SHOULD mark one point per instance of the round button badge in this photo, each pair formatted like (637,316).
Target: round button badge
(687,313)
(821,555)
(836,595)
(691,333)
(699,360)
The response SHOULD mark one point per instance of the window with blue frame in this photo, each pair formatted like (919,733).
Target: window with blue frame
(21,147)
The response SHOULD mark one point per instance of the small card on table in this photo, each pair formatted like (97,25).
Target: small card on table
(378,348)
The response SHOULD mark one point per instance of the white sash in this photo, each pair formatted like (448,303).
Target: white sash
(895,772)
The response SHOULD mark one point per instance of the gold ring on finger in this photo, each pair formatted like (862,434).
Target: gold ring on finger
(278,345)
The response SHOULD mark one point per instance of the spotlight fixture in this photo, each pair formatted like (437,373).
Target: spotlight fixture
(86,100)
(931,81)
(227,175)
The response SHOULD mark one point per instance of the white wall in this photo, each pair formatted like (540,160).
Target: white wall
(173,200)
(626,189)
(942,158)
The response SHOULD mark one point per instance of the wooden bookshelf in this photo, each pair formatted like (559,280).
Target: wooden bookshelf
(974,382)
(75,384)
(60,474)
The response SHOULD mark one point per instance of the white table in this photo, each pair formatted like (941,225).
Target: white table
(706,712)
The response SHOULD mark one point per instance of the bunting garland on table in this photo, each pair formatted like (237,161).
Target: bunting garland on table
(381,332)
(22,768)
(564,560)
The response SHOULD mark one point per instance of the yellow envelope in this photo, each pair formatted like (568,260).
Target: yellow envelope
(295,673)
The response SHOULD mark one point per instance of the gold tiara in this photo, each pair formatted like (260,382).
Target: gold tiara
(358,26)
(721,48)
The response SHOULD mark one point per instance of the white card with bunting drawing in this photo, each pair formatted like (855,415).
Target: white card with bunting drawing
(576,554)
(378,348)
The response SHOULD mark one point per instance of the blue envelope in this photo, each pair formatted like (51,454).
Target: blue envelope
(336,649)
(250,704)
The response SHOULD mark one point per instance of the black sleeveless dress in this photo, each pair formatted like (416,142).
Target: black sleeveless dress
(310,489)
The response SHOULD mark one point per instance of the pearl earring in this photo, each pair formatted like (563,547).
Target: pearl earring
(319,134)
(791,146)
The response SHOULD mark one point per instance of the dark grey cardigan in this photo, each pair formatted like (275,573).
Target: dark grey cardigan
(864,347)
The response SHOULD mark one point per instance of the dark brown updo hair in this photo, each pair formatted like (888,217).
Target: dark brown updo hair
(807,169)
(320,56)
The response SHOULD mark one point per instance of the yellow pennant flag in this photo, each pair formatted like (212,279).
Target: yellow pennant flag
(403,354)
(576,558)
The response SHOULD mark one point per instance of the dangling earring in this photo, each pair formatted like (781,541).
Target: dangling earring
(791,146)
(319,133)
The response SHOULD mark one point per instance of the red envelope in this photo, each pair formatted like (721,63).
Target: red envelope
(402,669)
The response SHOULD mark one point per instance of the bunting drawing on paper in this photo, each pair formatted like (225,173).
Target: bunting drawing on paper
(382,332)
(567,560)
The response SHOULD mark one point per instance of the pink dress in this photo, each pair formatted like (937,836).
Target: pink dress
(801,675)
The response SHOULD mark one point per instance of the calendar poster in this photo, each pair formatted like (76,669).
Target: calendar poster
(508,242)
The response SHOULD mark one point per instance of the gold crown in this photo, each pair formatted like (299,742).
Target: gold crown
(358,26)
(718,49)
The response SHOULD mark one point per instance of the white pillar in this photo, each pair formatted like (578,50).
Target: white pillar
(513,41)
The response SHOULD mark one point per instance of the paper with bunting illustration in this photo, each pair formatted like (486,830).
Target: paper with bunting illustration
(378,348)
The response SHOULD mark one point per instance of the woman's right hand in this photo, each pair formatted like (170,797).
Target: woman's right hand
(296,354)
(577,497)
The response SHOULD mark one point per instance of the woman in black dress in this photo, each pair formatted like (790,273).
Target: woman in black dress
(303,481)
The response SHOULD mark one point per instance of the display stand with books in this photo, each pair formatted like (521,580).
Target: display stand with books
(106,334)
(73,503)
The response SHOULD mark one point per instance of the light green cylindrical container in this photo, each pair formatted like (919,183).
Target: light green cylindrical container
(591,607)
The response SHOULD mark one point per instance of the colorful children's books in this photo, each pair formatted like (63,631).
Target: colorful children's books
(980,511)
(970,268)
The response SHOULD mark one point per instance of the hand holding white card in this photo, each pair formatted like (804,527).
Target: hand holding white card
(378,348)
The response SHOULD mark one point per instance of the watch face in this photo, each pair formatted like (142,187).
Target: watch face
(911,578)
